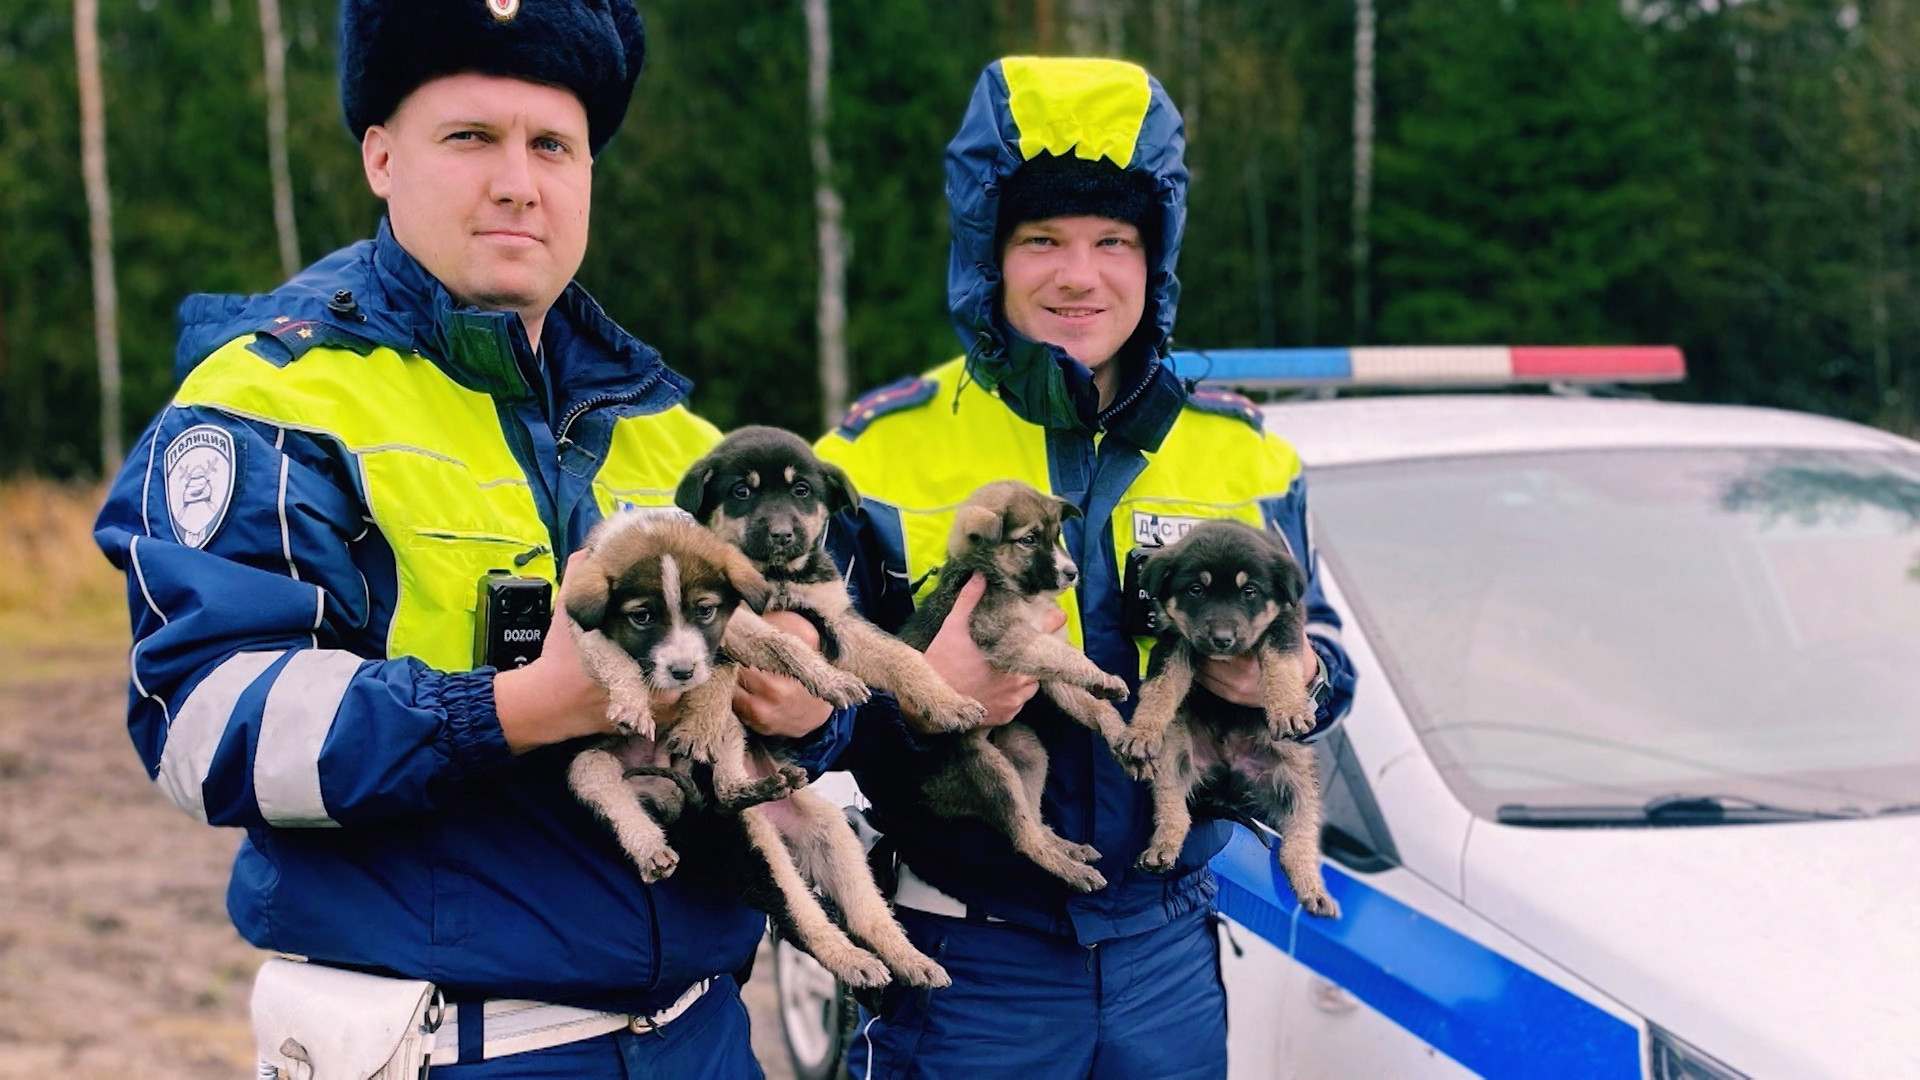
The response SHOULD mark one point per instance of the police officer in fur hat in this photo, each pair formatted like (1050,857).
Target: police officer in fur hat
(309,531)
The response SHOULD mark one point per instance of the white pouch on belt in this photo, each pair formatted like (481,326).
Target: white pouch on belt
(312,1022)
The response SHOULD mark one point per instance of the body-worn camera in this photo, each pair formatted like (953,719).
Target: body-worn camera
(1139,615)
(510,623)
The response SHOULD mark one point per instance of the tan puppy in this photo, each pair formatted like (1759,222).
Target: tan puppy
(1229,589)
(1009,534)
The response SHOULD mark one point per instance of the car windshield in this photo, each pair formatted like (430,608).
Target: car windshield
(1612,627)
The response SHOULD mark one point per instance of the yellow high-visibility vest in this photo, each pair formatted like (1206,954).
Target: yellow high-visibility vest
(436,473)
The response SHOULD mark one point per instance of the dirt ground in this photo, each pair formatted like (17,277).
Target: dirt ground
(116,956)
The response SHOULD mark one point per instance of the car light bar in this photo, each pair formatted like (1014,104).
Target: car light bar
(1432,365)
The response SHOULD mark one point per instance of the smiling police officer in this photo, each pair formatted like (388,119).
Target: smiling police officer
(310,526)
(1068,199)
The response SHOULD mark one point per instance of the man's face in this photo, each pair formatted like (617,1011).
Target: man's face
(1076,282)
(488,183)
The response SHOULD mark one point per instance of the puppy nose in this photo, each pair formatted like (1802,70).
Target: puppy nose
(1222,640)
(1069,573)
(681,674)
(780,536)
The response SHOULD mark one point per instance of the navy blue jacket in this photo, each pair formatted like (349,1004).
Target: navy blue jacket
(430,851)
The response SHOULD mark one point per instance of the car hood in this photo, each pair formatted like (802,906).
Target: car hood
(1783,950)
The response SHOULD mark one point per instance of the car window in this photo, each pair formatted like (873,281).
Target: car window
(1613,626)
(1354,834)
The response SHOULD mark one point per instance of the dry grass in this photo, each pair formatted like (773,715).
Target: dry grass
(62,605)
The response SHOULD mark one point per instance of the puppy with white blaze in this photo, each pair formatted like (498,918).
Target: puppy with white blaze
(663,604)
(1228,589)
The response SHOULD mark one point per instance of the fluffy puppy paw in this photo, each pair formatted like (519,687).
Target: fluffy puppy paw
(795,777)
(839,689)
(1319,902)
(1080,853)
(857,968)
(630,716)
(1292,722)
(683,740)
(919,971)
(1135,752)
(1081,878)
(955,714)
(1158,858)
(657,865)
(1109,688)
(764,790)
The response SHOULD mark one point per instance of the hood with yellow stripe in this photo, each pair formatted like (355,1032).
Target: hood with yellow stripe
(1095,109)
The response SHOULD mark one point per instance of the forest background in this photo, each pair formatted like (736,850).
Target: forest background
(1738,179)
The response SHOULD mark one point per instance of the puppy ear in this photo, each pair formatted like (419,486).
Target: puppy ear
(747,581)
(691,495)
(586,596)
(839,494)
(1289,581)
(1156,575)
(1068,511)
(973,525)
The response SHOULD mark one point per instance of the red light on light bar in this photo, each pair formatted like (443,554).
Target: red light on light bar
(1599,363)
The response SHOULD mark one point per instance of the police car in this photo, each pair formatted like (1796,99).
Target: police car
(1631,787)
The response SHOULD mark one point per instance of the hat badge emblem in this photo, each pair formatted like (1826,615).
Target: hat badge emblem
(503,10)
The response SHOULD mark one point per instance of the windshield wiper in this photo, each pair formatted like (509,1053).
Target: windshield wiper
(1665,811)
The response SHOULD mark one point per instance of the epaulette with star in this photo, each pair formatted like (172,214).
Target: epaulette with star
(1227,403)
(286,338)
(891,398)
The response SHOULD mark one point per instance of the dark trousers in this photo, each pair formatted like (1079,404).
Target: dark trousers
(1030,1005)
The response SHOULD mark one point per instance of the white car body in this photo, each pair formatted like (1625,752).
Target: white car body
(1781,950)
(1476,948)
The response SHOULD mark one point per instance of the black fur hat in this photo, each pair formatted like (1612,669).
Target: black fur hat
(388,48)
(1070,186)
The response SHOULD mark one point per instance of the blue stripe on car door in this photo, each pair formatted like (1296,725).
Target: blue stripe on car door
(1457,995)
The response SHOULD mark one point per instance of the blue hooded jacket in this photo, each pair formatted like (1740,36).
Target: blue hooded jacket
(906,447)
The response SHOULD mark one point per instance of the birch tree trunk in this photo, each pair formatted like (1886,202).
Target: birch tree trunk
(832,310)
(274,44)
(93,168)
(1362,166)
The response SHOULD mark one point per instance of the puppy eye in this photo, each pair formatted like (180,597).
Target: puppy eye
(705,612)
(1028,540)
(1196,589)
(639,616)
(1249,592)
(742,492)
(802,489)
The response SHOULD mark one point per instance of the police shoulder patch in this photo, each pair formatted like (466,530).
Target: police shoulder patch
(1227,403)
(893,397)
(202,467)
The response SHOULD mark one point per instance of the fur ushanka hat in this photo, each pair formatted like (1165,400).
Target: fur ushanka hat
(388,48)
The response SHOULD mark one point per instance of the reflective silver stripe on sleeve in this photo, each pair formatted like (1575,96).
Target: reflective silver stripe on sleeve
(300,711)
(196,732)
(1324,631)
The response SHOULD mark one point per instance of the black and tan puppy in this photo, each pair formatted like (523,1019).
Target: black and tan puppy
(764,490)
(1009,534)
(1227,590)
(663,603)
